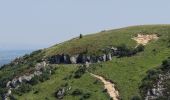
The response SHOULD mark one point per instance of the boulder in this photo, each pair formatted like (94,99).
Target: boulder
(20,79)
(8,85)
(87,64)
(73,59)
(88,58)
(108,57)
(14,83)
(102,58)
(60,93)
(28,78)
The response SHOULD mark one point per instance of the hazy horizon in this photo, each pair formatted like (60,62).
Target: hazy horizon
(35,24)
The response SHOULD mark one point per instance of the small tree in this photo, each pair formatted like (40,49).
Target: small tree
(81,36)
(136,97)
(140,48)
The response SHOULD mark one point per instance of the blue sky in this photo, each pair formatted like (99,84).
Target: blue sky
(33,24)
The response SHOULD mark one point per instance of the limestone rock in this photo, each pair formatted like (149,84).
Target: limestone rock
(73,59)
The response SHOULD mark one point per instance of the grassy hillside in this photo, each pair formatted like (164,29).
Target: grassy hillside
(47,89)
(126,72)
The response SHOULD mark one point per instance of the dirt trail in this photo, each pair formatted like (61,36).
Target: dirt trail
(145,39)
(109,86)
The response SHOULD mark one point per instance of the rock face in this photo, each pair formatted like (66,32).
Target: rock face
(82,58)
(57,59)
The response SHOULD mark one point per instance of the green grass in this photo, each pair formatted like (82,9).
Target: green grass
(126,72)
(95,42)
(48,88)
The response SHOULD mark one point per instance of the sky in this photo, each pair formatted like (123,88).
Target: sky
(35,24)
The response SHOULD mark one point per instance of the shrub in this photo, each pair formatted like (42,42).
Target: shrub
(36,92)
(77,92)
(139,48)
(24,88)
(3,90)
(12,97)
(166,64)
(86,95)
(136,98)
(80,72)
(34,80)
(45,76)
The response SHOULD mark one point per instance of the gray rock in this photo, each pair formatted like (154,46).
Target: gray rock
(102,58)
(8,85)
(14,82)
(60,93)
(87,64)
(73,59)
(108,57)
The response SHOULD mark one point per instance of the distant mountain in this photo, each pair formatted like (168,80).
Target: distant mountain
(9,55)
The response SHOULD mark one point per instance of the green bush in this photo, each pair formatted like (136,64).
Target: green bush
(123,50)
(166,64)
(34,80)
(24,88)
(139,48)
(77,92)
(86,95)
(136,98)
(80,72)
(3,90)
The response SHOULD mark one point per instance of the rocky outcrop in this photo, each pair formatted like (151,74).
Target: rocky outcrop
(159,87)
(82,58)
(16,82)
(57,59)
(62,91)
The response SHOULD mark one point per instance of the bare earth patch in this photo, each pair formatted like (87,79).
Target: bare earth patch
(109,86)
(145,39)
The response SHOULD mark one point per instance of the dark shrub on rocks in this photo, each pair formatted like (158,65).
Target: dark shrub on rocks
(165,64)
(86,95)
(34,80)
(139,48)
(45,76)
(123,50)
(136,98)
(80,72)
(24,88)
(12,97)
(77,92)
